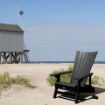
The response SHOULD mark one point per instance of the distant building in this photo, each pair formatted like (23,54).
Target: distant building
(12,44)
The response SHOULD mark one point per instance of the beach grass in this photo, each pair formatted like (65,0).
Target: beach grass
(96,80)
(6,81)
(64,78)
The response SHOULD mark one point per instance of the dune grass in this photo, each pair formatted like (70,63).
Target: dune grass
(96,80)
(64,78)
(6,81)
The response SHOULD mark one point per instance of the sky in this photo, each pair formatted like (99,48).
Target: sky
(56,29)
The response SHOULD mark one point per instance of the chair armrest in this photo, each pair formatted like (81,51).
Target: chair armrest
(60,73)
(84,76)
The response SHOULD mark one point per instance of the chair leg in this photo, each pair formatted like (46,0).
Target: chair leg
(77,95)
(55,92)
(93,89)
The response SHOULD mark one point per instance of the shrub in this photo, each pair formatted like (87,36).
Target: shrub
(66,78)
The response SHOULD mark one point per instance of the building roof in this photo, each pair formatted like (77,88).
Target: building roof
(10,28)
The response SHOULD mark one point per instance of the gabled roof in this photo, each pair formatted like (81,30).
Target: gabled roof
(10,28)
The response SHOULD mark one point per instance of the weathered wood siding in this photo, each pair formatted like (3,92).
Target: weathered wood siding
(11,42)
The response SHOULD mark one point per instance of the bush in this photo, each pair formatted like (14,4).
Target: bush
(66,78)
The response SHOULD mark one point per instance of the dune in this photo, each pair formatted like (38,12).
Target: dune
(42,93)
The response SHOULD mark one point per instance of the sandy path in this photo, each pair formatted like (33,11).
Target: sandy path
(42,94)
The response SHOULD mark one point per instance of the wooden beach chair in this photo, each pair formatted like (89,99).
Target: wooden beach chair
(81,71)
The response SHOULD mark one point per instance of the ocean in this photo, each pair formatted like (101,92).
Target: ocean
(57,62)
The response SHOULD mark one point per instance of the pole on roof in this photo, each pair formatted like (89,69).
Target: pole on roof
(24,55)
(20,13)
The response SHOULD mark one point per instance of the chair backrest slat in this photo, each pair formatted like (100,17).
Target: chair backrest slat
(82,65)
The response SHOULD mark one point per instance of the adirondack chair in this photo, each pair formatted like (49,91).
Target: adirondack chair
(81,71)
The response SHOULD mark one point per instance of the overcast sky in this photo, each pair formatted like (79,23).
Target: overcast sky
(56,29)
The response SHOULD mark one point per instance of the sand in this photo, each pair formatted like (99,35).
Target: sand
(42,93)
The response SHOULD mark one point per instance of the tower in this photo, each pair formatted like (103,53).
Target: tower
(12,44)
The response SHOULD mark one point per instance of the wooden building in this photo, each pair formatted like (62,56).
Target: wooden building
(12,44)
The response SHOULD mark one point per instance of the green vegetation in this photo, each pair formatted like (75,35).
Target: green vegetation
(21,81)
(66,78)
(98,81)
(6,81)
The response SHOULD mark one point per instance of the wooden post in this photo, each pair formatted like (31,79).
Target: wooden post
(10,57)
(4,57)
(14,57)
(21,57)
(0,57)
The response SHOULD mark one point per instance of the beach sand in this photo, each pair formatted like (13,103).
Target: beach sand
(42,93)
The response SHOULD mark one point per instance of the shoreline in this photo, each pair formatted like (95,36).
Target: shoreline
(60,62)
